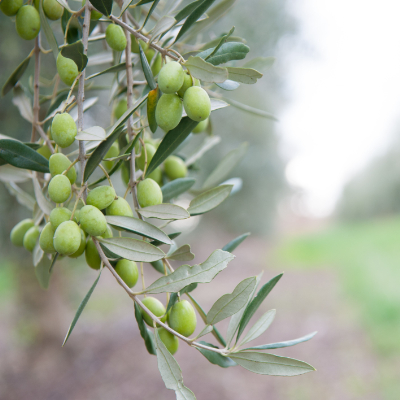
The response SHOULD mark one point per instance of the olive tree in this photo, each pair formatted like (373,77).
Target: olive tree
(166,82)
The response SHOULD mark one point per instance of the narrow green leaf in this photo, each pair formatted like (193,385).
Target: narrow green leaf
(65,5)
(262,63)
(53,262)
(185,274)
(22,197)
(251,110)
(235,242)
(221,42)
(76,53)
(216,41)
(176,187)
(164,211)
(23,103)
(42,273)
(94,133)
(125,5)
(145,333)
(45,205)
(8,173)
(81,307)
(146,68)
(57,102)
(152,101)
(37,255)
(279,345)
(158,266)
(259,327)
(182,254)
(225,166)
(227,52)
(16,75)
(171,236)
(172,300)
(113,69)
(188,288)
(230,304)
(162,26)
(48,32)
(205,71)
(139,227)
(104,6)
(171,141)
(243,75)
(133,249)
(210,199)
(152,8)
(256,302)
(216,358)
(228,85)
(171,372)
(187,10)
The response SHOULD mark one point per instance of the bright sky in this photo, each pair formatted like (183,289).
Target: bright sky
(345,94)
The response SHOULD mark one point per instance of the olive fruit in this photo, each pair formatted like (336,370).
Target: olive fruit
(170,78)
(175,167)
(112,152)
(18,232)
(67,69)
(58,163)
(169,111)
(145,154)
(53,9)
(27,22)
(120,108)
(67,238)
(135,45)
(120,207)
(59,189)
(59,215)
(156,307)
(149,193)
(197,104)
(108,233)
(156,175)
(10,7)
(46,239)
(92,220)
(44,151)
(157,63)
(125,175)
(201,126)
(31,237)
(187,83)
(92,256)
(182,318)
(82,246)
(149,53)
(128,272)
(101,197)
(94,15)
(170,341)
(63,129)
(115,37)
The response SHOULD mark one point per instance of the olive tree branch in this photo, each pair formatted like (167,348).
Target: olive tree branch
(42,133)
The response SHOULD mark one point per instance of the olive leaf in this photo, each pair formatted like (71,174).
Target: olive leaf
(113,69)
(243,75)
(146,68)
(235,242)
(48,32)
(42,273)
(262,63)
(259,327)
(152,101)
(104,6)
(209,200)
(182,14)
(227,52)
(164,211)
(182,254)
(22,197)
(16,75)
(216,358)
(23,103)
(228,85)
(145,333)
(249,109)
(75,52)
(208,144)
(176,187)
(206,71)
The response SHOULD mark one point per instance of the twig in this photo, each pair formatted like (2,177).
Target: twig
(42,133)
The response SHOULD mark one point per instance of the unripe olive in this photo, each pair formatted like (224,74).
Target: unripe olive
(149,193)
(157,64)
(53,9)
(92,220)
(112,152)
(169,111)
(59,189)
(91,255)
(115,37)
(46,239)
(67,238)
(175,167)
(149,53)
(170,341)
(149,153)
(120,207)
(156,175)
(94,15)
(27,22)
(101,197)
(170,78)
(125,175)
(58,163)
(67,69)
(44,151)
(18,232)
(120,108)
(201,126)
(156,307)
(128,271)
(187,83)
(182,318)
(59,215)
(197,104)
(63,129)
(10,7)
(135,45)
(31,237)
(82,246)
(108,233)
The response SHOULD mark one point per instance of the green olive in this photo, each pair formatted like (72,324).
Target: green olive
(101,197)
(149,53)
(30,238)
(120,207)
(27,22)
(187,83)
(59,215)
(53,9)
(18,232)
(59,189)
(149,193)
(115,37)
(135,45)
(67,238)
(170,341)
(46,239)
(63,129)
(67,69)
(44,151)
(128,271)
(92,220)
(197,104)
(125,175)
(201,126)
(108,233)
(91,255)
(112,152)
(94,15)
(156,307)
(170,78)
(120,108)
(157,64)
(58,163)
(10,7)
(82,246)
(175,167)
(149,153)
(182,318)
(169,111)
(157,176)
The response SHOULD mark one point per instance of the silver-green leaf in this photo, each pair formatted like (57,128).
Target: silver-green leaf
(260,326)
(243,75)
(209,200)
(182,254)
(205,71)
(164,211)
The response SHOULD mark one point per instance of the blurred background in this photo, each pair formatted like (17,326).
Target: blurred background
(321,196)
